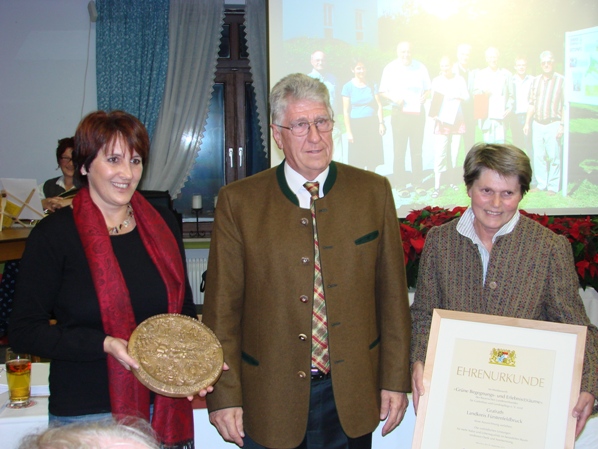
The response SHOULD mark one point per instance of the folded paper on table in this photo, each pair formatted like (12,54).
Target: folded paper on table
(20,202)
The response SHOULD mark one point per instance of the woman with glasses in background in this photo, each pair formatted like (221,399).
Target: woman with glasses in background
(53,192)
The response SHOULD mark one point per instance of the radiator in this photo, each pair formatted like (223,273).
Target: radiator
(195,267)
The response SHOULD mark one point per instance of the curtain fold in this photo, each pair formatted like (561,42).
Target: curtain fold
(132,57)
(195,28)
(256,26)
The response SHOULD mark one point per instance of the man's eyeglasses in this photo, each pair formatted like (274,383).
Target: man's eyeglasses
(65,159)
(323,125)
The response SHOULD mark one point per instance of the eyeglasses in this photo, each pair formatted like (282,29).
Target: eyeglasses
(323,125)
(66,160)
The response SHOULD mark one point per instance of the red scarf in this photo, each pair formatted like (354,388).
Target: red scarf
(172,418)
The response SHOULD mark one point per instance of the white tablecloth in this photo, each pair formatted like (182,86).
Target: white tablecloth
(14,424)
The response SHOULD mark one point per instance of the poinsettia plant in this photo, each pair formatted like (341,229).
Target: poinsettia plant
(582,233)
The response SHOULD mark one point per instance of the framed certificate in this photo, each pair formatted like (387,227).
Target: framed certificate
(498,382)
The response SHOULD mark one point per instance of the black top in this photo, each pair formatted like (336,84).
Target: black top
(51,189)
(55,281)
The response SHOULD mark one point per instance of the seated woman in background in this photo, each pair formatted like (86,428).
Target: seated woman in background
(101,267)
(52,191)
(495,261)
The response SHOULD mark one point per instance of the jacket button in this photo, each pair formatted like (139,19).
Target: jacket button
(302,337)
(493,285)
(304,221)
(305,260)
(303,298)
(301,375)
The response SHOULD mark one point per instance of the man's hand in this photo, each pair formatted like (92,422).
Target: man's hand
(417,383)
(117,348)
(392,409)
(582,410)
(229,422)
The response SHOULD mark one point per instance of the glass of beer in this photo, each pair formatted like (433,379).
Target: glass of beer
(18,375)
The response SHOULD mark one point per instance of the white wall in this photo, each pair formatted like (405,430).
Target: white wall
(43,57)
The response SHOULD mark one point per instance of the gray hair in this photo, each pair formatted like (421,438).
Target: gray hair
(506,160)
(93,435)
(546,55)
(297,86)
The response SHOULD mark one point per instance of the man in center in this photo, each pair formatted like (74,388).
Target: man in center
(306,291)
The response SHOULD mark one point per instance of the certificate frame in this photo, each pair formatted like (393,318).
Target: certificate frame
(507,380)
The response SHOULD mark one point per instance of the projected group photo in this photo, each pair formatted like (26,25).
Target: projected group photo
(414,84)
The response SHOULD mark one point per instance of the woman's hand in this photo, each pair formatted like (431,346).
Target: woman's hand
(382,129)
(117,348)
(203,393)
(55,203)
(417,383)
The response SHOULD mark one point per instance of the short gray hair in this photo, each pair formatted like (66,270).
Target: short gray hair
(506,160)
(547,54)
(297,86)
(93,435)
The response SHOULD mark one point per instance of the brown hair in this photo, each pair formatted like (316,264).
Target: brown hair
(100,130)
(63,145)
(506,160)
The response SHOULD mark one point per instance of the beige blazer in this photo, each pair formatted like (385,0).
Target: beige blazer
(259,294)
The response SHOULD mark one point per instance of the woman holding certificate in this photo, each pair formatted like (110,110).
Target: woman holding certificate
(495,261)
(101,267)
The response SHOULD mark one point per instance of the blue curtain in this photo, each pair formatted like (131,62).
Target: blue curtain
(132,57)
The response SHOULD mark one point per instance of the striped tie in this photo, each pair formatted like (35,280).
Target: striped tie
(319,332)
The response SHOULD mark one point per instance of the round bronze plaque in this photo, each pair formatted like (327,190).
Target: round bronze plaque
(178,356)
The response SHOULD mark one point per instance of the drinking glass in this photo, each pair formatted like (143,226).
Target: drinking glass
(18,375)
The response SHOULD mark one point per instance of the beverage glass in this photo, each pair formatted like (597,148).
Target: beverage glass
(18,375)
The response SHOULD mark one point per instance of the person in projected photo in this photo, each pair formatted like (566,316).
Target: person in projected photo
(495,85)
(406,84)
(315,326)
(545,122)
(493,260)
(318,63)
(364,121)
(99,268)
(449,92)
(463,68)
(522,82)
(52,192)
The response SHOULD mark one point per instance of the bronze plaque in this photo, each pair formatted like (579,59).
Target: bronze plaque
(178,356)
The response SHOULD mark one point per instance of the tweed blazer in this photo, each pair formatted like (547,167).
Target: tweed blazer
(259,294)
(531,275)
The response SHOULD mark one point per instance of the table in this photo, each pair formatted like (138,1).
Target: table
(15,424)
(12,243)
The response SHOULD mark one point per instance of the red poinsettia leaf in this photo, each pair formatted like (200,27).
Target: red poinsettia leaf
(581,267)
(418,244)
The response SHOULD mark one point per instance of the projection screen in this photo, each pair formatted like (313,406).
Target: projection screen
(414,83)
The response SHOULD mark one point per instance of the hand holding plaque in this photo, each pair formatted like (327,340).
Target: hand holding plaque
(178,356)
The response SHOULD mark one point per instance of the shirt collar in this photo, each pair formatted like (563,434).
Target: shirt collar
(296,181)
(465,226)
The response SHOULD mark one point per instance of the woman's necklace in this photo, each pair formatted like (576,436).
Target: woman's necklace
(125,224)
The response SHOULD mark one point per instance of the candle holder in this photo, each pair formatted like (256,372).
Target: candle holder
(197,232)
